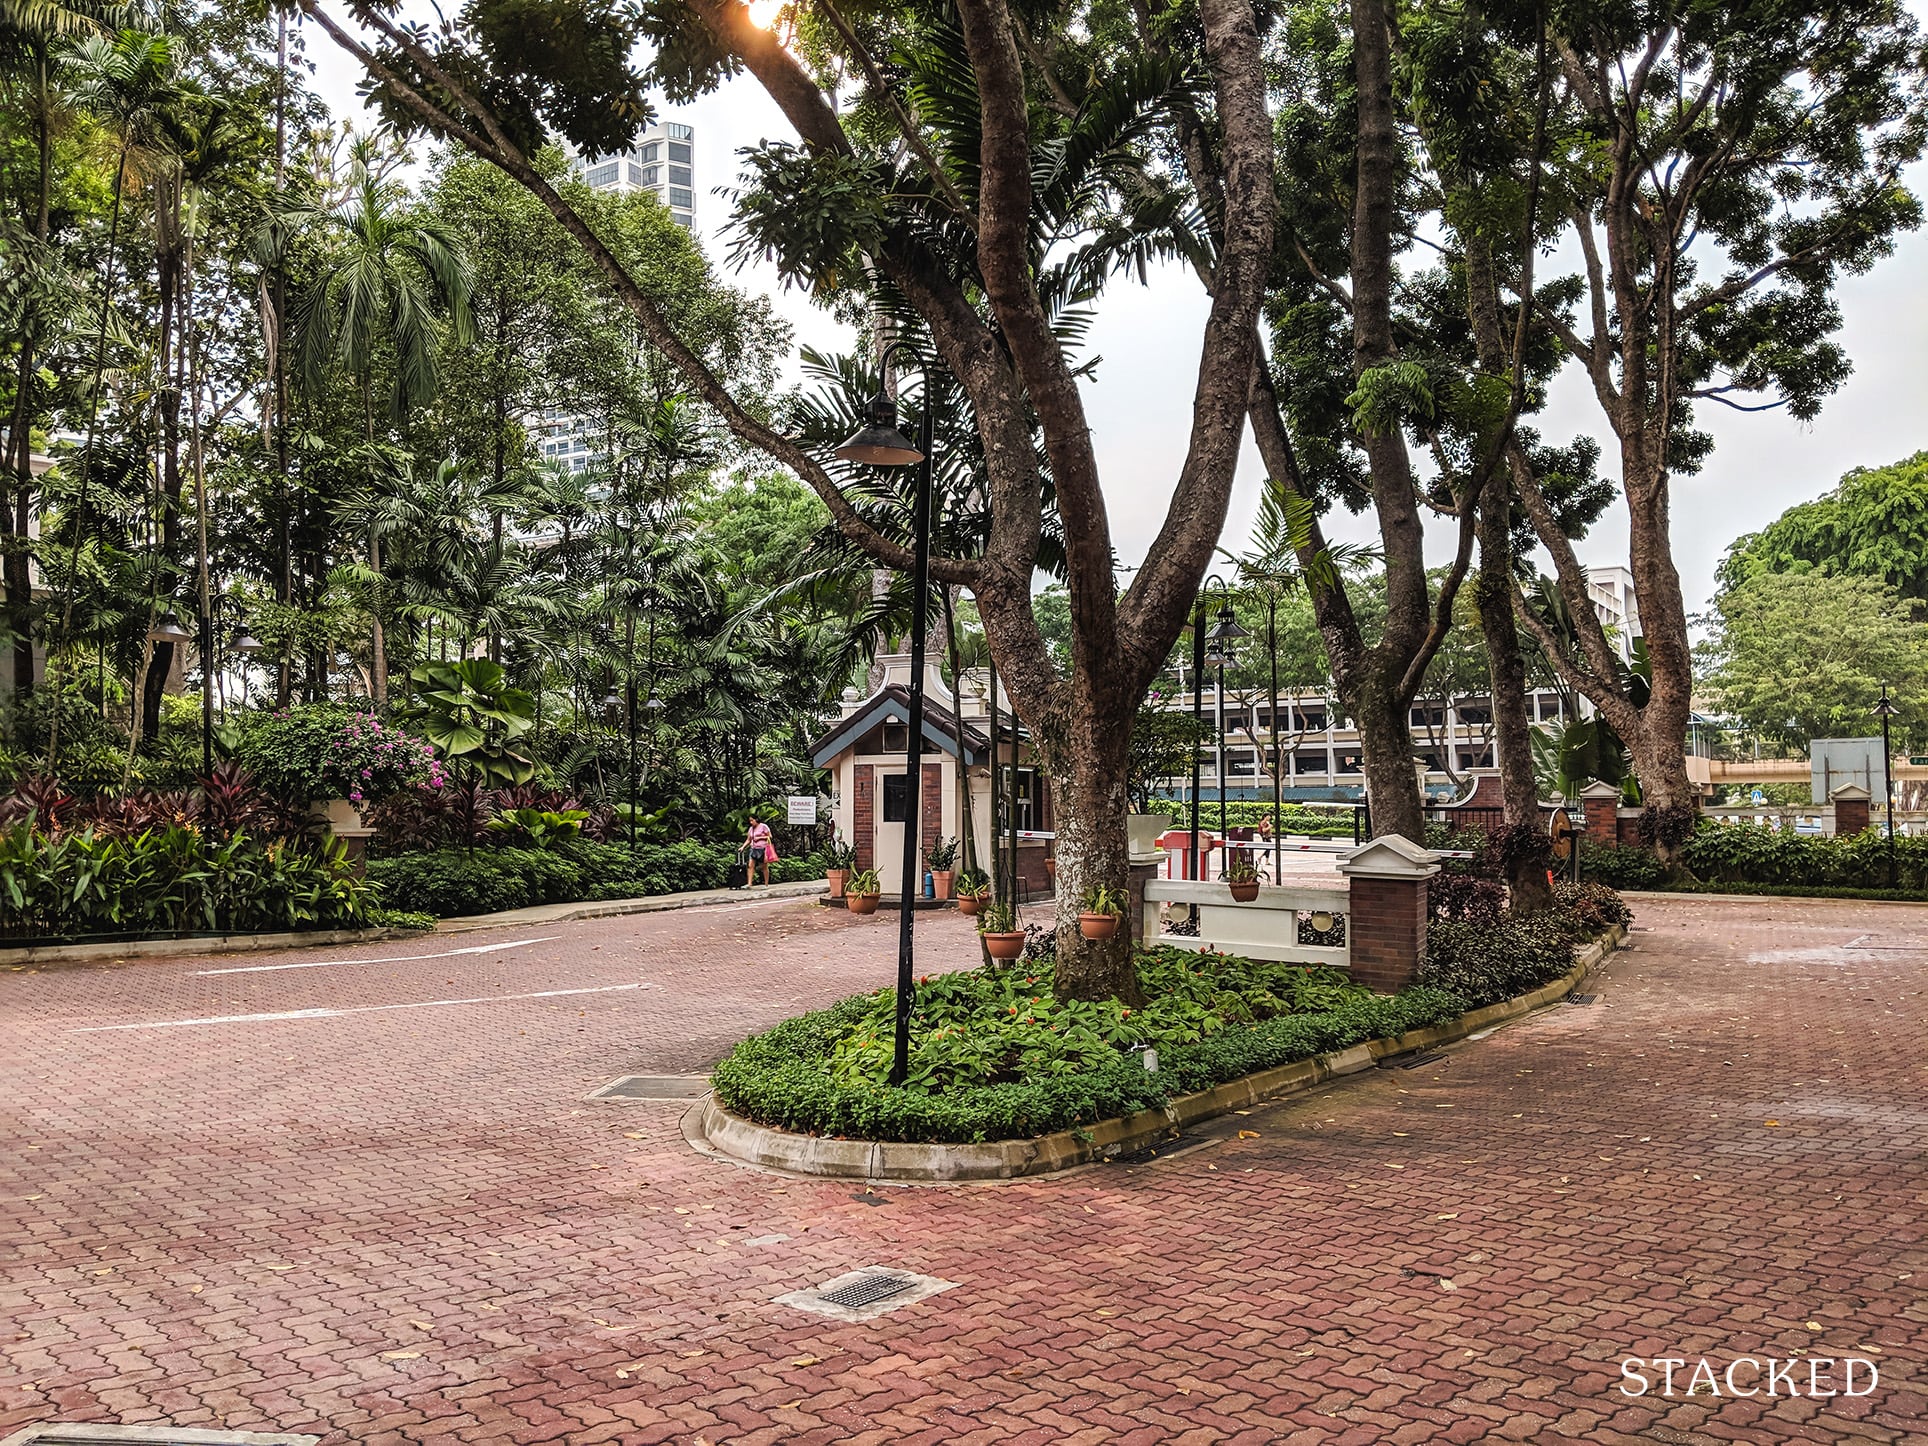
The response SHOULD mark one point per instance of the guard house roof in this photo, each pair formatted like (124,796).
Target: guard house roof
(891,704)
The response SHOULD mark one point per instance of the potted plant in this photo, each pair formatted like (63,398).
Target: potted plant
(1103,908)
(998,927)
(862,890)
(839,858)
(973,890)
(1243,877)
(941,860)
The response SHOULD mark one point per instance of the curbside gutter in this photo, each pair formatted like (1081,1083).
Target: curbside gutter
(58,956)
(711,1129)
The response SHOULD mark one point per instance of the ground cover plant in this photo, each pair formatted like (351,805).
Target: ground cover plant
(997,1054)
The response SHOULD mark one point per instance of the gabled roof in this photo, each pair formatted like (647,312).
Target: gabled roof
(891,704)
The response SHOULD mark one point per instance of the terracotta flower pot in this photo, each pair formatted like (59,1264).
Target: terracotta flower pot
(861,903)
(836,879)
(941,883)
(1051,867)
(1003,947)
(969,904)
(1097,926)
(1244,893)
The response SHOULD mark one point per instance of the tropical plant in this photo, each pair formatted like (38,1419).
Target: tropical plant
(997,918)
(469,711)
(1102,899)
(941,855)
(864,883)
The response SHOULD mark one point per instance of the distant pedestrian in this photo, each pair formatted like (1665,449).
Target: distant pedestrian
(761,848)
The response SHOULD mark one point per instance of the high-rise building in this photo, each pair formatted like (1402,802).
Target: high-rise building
(663,163)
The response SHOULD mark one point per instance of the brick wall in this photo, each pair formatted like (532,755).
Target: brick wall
(930,810)
(1627,828)
(1388,931)
(863,813)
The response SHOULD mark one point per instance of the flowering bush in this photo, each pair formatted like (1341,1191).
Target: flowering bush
(323,750)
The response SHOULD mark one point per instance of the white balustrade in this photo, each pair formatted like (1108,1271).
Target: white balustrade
(1266,928)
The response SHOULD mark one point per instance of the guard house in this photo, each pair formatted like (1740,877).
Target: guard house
(865,754)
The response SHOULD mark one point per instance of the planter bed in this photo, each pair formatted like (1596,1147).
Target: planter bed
(1083,1118)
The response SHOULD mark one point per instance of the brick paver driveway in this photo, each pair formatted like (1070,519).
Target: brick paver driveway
(341,1205)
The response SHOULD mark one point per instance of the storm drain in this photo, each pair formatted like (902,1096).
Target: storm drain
(865,1294)
(655,1087)
(1581,998)
(1410,1061)
(57,1434)
(868,1291)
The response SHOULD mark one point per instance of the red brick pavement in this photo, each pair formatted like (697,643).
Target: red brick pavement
(405,1225)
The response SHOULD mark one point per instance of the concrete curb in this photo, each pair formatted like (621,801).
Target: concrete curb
(710,1128)
(56,956)
(610,908)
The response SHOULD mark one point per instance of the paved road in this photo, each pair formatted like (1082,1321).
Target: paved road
(368,1201)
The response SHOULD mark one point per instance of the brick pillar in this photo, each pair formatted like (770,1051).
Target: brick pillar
(1142,873)
(930,820)
(1386,920)
(863,813)
(1851,810)
(1602,804)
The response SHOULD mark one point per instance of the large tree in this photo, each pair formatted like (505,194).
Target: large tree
(1719,167)
(953,194)
(1874,524)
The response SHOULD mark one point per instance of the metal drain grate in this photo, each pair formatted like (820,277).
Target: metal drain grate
(1581,998)
(1410,1061)
(868,1291)
(655,1087)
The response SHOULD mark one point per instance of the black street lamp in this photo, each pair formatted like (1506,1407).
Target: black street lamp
(1220,639)
(1887,709)
(246,644)
(1223,636)
(879,444)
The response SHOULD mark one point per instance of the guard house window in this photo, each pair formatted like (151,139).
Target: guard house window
(1025,815)
(896,798)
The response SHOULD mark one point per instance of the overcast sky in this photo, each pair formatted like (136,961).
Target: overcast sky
(1148,338)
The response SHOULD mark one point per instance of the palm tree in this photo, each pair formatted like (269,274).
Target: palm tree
(393,274)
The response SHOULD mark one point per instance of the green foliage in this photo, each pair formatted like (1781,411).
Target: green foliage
(1250,813)
(1620,868)
(172,880)
(1483,961)
(1806,655)
(1162,743)
(1103,899)
(409,919)
(996,1055)
(942,854)
(863,882)
(1874,524)
(326,750)
(814,213)
(469,711)
(1742,853)
(540,826)
(997,918)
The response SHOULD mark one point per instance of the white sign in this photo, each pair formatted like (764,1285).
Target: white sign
(803,808)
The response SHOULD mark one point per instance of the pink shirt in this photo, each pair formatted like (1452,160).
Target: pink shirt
(760,837)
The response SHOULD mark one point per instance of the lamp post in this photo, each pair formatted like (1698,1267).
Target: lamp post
(246,644)
(1887,709)
(1223,637)
(879,444)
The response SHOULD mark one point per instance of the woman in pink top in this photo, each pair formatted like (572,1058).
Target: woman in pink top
(762,848)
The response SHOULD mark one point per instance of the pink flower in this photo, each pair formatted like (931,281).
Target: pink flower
(355,797)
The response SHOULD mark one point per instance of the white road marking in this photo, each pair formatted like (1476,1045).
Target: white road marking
(357,1009)
(393,959)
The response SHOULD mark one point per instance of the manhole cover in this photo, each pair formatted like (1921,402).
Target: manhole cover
(865,1294)
(868,1291)
(655,1087)
(60,1434)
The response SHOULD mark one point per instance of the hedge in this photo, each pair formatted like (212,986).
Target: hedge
(456,881)
(779,1078)
(1748,854)
(1250,813)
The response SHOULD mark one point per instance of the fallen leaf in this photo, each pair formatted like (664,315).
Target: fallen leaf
(1248,1134)
(1453,1216)
(634,1135)
(421,1325)
(622,1375)
(196,1289)
(401,1355)
(280,1267)
(1814,1325)
(806,1360)
(681,1211)
(1400,1134)
(1391,1166)
(1445,1284)
(791,1405)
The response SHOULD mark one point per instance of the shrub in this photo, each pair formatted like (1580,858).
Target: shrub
(1294,818)
(1620,868)
(455,881)
(1486,961)
(996,1055)
(323,750)
(1593,908)
(172,880)
(398,919)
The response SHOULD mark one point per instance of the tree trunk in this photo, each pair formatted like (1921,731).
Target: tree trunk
(1092,848)
(1506,669)
(1385,735)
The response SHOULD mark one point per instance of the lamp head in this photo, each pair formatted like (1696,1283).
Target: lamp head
(245,642)
(167,629)
(878,443)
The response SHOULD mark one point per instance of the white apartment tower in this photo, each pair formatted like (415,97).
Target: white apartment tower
(663,163)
